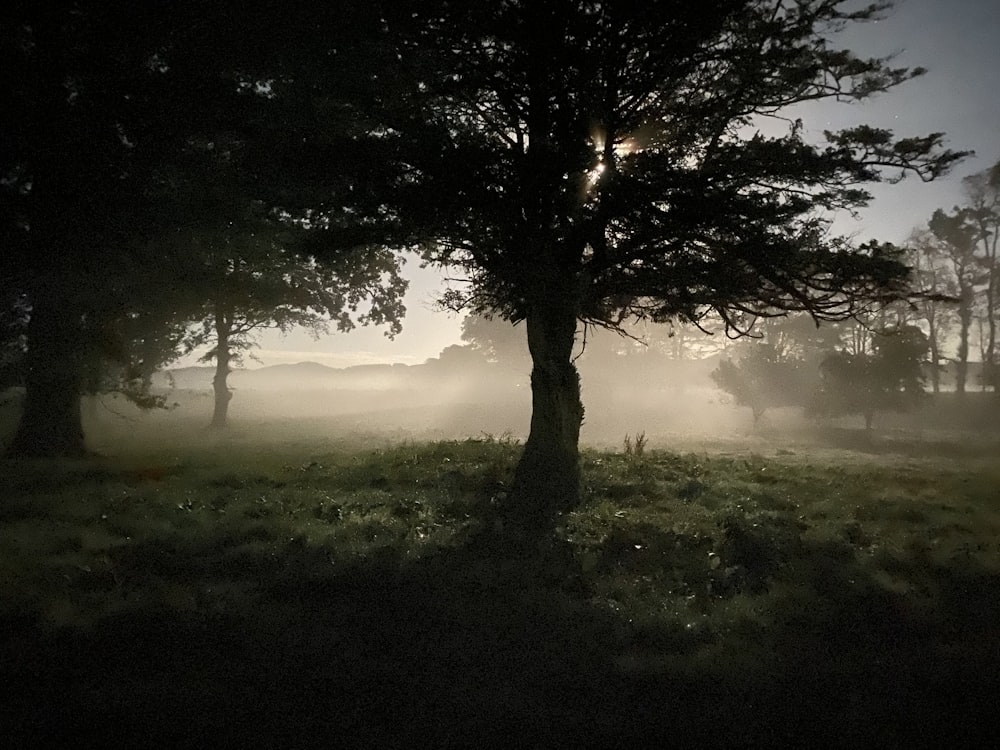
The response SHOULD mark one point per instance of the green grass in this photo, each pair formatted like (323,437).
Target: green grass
(329,592)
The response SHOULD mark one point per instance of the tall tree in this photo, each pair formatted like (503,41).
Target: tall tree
(591,162)
(957,236)
(982,192)
(94,96)
(936,310)
(238,253)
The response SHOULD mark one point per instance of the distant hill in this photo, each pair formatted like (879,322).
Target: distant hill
(299,376)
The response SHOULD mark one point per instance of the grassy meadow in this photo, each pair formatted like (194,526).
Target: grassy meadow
(283,586)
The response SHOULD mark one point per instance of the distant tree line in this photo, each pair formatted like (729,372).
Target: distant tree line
(851,368)
(955,256)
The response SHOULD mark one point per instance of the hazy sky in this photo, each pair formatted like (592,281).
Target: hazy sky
(957,40)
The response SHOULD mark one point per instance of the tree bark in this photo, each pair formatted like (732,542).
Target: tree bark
(935,365)
(51,423)
(962,360)
(547,478)
(223,356)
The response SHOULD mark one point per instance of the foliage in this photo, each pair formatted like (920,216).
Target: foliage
(761,379)
(955,265)
(888,379)
(982,191)
(96,98)
(581,168)
(497,341)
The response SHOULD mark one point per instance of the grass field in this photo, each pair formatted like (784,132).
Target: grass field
(275,588)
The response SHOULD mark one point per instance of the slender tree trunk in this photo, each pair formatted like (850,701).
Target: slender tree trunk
(962,361)
(935,352)
(51,423)
(219,383)
(547,478)
(989,358)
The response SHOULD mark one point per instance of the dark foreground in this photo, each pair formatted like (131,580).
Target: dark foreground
(695,602)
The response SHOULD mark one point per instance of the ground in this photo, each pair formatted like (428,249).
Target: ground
(297,585)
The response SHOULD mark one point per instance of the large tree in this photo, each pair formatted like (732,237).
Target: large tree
(591,162)
(776,370)
(95,95)
(982,192)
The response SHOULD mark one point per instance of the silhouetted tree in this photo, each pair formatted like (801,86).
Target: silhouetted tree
(95,97)
(957,237)
(888,378)
(931,271)
(240,263)
(777,370)
(982,192)
(498,342)
(247,289)
(592,162)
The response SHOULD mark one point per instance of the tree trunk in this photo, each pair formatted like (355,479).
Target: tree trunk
(219,383)
(51,423)
(547,478)
(962,360)
(935,369)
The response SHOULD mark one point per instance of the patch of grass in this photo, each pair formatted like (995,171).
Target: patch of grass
(338,593)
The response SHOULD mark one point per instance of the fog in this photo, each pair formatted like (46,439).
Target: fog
(627,389)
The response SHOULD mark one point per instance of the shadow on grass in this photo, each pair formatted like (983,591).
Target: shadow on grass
(879,443)
(461,648)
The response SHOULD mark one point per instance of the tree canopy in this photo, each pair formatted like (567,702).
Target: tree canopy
(888,378)
(599,161)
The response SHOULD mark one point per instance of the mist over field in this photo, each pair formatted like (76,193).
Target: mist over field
(674,405)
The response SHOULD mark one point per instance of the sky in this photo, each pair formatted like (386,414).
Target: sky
(958,41)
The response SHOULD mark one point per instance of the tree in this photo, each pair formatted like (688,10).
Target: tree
(772,372)
(594,162)
(982,191)
(957,236)
(241,258)
(888,378)
(95,96)
(249,286)
(110,109)
(931,272)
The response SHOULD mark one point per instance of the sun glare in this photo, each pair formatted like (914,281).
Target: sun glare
(596,172)
(621,149)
